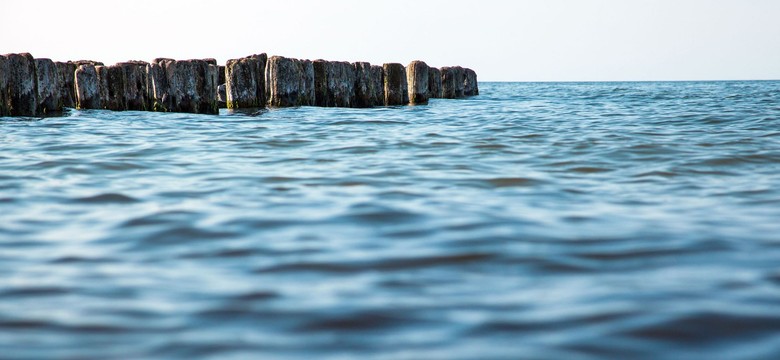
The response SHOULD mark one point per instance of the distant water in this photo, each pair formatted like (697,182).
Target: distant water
(536,221)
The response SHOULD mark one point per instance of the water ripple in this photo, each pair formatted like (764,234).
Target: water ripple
(537,220)
(109,198)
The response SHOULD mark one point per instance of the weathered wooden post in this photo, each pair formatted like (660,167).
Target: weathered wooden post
(284,84)
(241,83)
(116,88)
(193,86)
(434,83)
(334,83)
(470,87)
(188,86)
(135,92)
(65,75)
(321,83)
(101,83)
(22,92)
(88,89)
(3,86)
(149,70)
(102,74)
(452,82)
(341,83)
(48,87)
(210,85)
(417,78)
(369,85)
(396,88)
(262,62)
(157,85)
(307,83)
(127,86)
(180,75)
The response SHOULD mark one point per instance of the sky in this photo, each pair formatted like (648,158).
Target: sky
(502,40)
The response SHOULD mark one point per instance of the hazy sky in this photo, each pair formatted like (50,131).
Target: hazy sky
(533,40)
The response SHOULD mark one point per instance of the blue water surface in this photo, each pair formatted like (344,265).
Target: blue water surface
(535,221)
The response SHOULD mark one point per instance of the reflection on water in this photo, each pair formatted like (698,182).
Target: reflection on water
(578,221)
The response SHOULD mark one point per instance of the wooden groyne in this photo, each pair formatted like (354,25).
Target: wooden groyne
(39,87)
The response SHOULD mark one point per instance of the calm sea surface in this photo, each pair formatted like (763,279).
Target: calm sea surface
(535,221)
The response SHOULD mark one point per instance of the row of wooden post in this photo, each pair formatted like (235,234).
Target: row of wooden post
(37,87)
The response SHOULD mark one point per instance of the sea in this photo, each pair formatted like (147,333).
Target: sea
(626,220)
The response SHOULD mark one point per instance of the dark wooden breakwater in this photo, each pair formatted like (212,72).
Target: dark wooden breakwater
(38,87)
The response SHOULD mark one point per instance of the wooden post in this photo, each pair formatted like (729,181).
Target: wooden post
(22,88)
(65,75)
(241,83)
(452,82)
(470,86)
(136,92)
(434,83)
(396,88)
(87,88)
(369,85)
(334,83)
(4,111)
(284,84)
(48,87)
(417,78)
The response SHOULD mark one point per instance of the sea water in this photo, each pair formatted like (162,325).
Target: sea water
(535,221)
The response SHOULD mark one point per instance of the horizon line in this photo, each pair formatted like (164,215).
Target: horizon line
(623,81)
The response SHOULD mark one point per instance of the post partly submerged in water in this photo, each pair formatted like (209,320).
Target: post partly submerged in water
(417,78)
(21,85)
(396,88)
(39,87)
(289,82)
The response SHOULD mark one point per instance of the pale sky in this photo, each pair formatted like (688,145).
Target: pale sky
(531,40)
